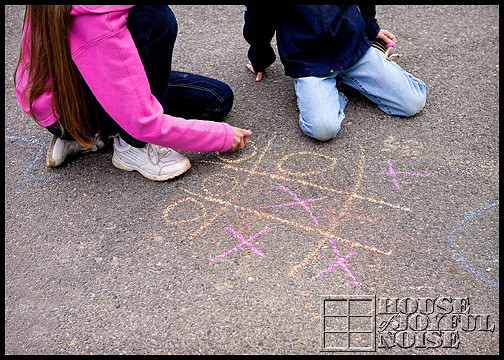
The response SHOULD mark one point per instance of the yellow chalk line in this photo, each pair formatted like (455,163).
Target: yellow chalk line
(256,164)
(292,223)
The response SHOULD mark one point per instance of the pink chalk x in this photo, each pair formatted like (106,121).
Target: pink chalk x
(298,202)
(394,174)
(391,43)
(242,243)
(341,262)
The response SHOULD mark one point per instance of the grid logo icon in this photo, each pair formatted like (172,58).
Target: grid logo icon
(348,323)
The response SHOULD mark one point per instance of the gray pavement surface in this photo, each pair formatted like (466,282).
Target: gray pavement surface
(101,261)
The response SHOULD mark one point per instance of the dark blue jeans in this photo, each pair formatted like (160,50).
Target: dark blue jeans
(190,96)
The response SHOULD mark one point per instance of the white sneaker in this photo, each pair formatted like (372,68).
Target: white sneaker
(152,161)
(386,52)
(59,149)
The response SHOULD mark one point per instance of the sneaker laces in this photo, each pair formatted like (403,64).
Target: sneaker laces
(86,149)
(158,151)
(99,144)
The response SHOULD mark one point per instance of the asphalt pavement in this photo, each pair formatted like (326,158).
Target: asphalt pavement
(381,241)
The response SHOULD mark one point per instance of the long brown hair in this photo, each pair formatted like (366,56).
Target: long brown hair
(50,58)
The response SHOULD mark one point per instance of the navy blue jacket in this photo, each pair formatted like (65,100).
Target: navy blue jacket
(312,40)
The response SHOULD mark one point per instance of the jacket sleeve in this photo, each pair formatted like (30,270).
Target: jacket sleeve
(371,25)
(43,111)
(113,70)
(258,31)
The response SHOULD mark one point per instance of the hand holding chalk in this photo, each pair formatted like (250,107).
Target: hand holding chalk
(240,137)
(387,36)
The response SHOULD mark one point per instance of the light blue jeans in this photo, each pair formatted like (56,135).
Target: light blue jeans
(321,105)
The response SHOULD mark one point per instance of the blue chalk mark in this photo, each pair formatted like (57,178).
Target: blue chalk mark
(462,259)
(40,153)
(486,252)
(37,157)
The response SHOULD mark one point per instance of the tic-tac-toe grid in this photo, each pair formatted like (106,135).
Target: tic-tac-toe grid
(218,194)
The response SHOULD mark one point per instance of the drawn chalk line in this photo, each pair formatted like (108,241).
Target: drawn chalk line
(381,202)
(243,242)
(282,160)
(298,202)
(340,261)
(301,202)
(250,143)
(219,183)
(307,183)
(393,173)
(42,145)
(346,214)
(167,211)
(242,185)
(452,242)
(325,234)
(288,222)
(335,221)
(485,251)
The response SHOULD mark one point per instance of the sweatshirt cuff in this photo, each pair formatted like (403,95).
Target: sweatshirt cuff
(228,142)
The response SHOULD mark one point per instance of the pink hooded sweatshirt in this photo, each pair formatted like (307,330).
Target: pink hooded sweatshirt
(106,56)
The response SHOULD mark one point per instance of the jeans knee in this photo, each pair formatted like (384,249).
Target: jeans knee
(220,101)
(415,101)
(414,106)
(226,105)
(327,133)
(321,130)
(226,98)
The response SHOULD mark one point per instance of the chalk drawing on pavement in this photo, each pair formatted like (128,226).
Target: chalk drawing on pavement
(478,253)
(242,243)
(394,174)
(341,262)
(297,202)
(41,151)
(226,190)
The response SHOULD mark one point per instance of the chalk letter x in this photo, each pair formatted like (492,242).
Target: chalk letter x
(243,242)
(298,202)
(393,173)
(341,262)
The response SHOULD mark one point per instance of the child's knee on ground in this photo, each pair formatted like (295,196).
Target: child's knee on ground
(414,105)
(321,128)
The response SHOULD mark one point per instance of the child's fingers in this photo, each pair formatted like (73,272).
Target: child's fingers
(246,136)
(239,138)
(259,74)
(249,66)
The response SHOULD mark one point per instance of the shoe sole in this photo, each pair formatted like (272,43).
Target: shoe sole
(120,165)
(49,159)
